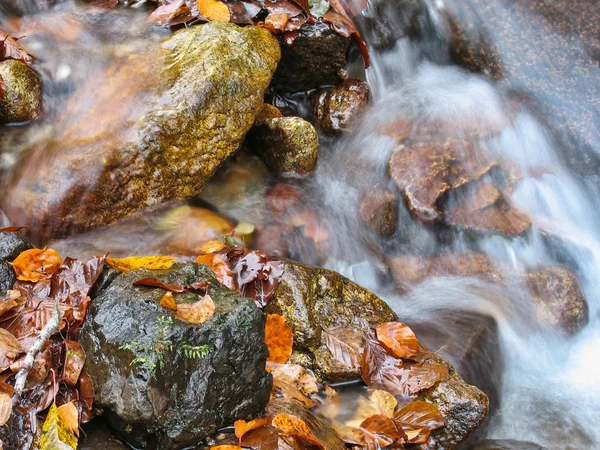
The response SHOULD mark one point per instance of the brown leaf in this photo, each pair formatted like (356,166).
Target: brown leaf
(420,414)
(399,339)
(345,344)
(344,25)
(86,396)
(349,8)
(279,339)
(296,375)
(218,264)
(6,392)
(168,302)
(165,13)
(196,313)
(264,438)
(155,282)
(276,22)
(242,427)
(293,426)
(70,415)
(214,10)
(37,264)
(382,429)
(226,447)
(419,376)
(11,49)
(257,276)
(74,362)
(381,370)
(378,402)
(10,348)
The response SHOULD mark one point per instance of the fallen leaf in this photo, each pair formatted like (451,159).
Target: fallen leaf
(383,430)
(198,312)
(165,13)
(214,10)
(176,288)
(257,277)
(349,435)
(36,264)
(293,426)
(70,415)
(11,49)
(381,370)
(74,361)
(226,447)
(349,8)
(141,262)
(419,376)
(212,246)
(345,26)
(10,348)
(264,438)
(276,22)
(420,414)
(168,301)
(218,264)
(242,427)
(86,397)
(345,344)
(6,392)
(11,229)
(56,434)
(398,338)
(376,403)
(279,339)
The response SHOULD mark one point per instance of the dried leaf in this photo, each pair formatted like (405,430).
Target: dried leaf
(141,262)
(293,426)
(37,264)
(10,348)
(345,344)
(198,312)
(296,375)
(56,435)
(399,339)
(168,301)
(214,10)
(74,362)
(6,392)
(155,282)
(279,339)
(242,427)
(11,49)
(70,415)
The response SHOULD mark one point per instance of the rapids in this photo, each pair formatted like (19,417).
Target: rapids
(548,390)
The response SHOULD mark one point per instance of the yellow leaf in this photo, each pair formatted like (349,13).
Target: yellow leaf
(243,229)
(214,10)
(56,435)
(141,262)
(196,313)
(242,427)
(70,415)
(212,246)
(37,264)
(294,426)
(168,301)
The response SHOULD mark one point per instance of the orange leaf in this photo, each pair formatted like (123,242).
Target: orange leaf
(417,419)
(293,426)
(399,339)
(212,246)
(196,313)
(382,429)
(69,413)
(279,338)
(345,344)
(226,447)
(168,301)
(35,264)
(214,10)
(242,427)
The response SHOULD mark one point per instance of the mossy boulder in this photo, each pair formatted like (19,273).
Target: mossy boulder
(21,96)
(151,127)
(163,382)
(286,144)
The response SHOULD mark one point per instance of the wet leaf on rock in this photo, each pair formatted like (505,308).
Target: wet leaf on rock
(11,49)
(37,264)
(214,10)
(10,348)
(56,434)
(70,415)
(399,339)
(74,361)
(141,262)
(198,312)
(168,301)
(345,344)
(155,282)
(279,339)
(382,430)
(86,397)
(242,427)
(296,427)
(380,370)
(419,376)
(417,420)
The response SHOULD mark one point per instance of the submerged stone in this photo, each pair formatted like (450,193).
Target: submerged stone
(165,383)
(21,95)
(151,127)
(379,210)
(337,109)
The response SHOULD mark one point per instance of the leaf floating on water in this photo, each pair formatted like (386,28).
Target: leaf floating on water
(294,426)
(10,348)
(70,415)
(37,264)
(279,339)
(74,362)
(242,427)
(11,49)
(56,434)
(345,344)
(399,339)
(141,262)
(214,10)
(6,392)
(196,313)
(168,301)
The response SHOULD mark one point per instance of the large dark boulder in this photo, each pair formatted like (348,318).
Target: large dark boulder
(11,245)
(165,383)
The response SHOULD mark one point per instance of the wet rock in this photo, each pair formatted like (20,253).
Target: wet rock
(337,108)
(313,299)
(506,444)
(151,127)
(96,438)
(379,211)
(463,406)
(560,299)
(456,183)
(384,22)
(286,144)
(315,59)
(163,382)
(268,112)
(534,48)
(21,96)
(11,245)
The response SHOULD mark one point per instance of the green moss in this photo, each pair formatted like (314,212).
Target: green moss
(22,100)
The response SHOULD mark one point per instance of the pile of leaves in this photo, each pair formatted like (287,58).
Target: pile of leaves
(395,367)
(40,320)
(279,16)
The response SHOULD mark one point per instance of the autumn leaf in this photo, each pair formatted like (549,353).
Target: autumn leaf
(165,13)
(176,288)
(294,426)
(86,397)
(279,339)
(419,376)
(294,374)
(226,447)
(214,10)
(345,344)
(141,262)
(218,264)
(349,8)
(70,415)
(56,434)
(36,264)
(74,361)
(381,370)
(168,301)
(11,49)
(276,22)
(198,312)
(377,402)
(6,392)
(212,246)
(10,348)
(242,427)
(11,229)
(398,338)
(417,420)
(382,430)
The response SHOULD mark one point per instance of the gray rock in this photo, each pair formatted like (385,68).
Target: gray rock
(166,383)
(21,99)
(11,245)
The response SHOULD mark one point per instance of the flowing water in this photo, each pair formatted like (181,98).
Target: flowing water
(546,382)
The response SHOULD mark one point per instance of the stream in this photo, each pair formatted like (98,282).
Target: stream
(543,383)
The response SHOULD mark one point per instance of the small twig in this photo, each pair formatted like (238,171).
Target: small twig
(49,329)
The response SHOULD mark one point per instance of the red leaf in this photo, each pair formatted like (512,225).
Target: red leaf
(7,229)
(381,370)
(176,288)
